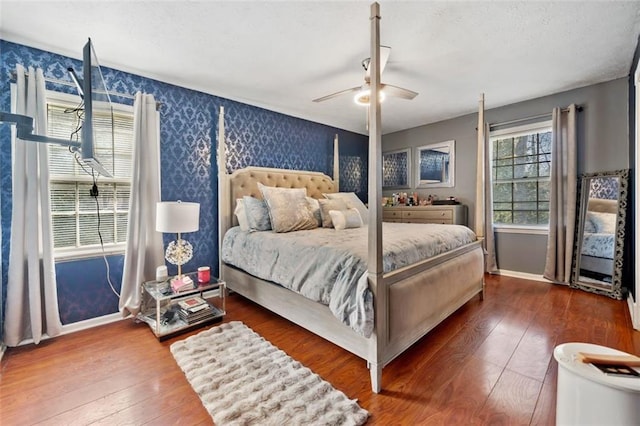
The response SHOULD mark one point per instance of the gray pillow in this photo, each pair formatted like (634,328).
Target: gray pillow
(289,209)
(325,206)
(257,214)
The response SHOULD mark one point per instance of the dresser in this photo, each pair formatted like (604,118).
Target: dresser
(446,214)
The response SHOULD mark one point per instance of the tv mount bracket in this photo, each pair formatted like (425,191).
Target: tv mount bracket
(24,131)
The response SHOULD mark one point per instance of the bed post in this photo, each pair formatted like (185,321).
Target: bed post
(374,259)
(224,213)
(336,163)
(479,216)
(480,184)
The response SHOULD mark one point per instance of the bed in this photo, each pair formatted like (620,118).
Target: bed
(407,302)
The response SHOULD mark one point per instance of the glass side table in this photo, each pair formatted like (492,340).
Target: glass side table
(160,306)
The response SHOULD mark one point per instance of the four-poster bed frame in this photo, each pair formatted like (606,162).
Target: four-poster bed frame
(408,302)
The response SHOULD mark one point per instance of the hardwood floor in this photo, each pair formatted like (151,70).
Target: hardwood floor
(489,363)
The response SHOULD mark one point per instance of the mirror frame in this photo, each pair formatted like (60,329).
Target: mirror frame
(407,171)
(450,145)
(615,290)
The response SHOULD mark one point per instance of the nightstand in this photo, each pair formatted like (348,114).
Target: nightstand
(160,306)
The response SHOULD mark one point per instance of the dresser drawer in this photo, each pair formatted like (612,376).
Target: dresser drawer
(437,216)
(388,214)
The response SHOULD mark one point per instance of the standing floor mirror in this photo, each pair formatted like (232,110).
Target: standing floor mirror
(600,233)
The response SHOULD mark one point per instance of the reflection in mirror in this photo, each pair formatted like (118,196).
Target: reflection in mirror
(396,168)
(435,165)
(600,233)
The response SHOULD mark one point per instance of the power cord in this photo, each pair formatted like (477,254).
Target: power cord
(93,192)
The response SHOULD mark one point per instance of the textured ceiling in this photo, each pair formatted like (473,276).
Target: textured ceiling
(281,55)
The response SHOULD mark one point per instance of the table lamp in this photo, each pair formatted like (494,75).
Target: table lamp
(178,217)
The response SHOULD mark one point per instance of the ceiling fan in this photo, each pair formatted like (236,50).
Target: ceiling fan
(362,92)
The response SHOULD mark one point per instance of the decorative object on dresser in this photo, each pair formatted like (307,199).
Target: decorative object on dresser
(451,214)
(178,217)
(243,379)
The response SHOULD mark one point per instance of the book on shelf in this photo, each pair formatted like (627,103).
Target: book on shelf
(194,303)
(182,284)
(205,311)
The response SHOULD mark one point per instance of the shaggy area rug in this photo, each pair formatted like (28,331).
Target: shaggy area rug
(243,379)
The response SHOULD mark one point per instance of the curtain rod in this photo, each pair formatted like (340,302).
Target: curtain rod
(530,118)
(13,76)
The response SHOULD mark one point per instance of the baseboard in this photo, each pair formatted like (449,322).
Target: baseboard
(523,275)
(634,312)
(92,322)
(82,325)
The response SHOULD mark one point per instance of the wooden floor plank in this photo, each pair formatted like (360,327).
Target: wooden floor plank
(489,363)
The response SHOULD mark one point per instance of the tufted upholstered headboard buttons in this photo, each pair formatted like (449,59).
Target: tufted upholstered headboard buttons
(245,182)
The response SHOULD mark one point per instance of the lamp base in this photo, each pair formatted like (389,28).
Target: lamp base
(179,284)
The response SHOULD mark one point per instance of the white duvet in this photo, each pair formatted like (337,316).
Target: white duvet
(329,266)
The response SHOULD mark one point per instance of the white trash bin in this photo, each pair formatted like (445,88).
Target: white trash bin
(587,396)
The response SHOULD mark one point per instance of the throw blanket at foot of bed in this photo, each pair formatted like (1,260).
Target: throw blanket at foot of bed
(243,379)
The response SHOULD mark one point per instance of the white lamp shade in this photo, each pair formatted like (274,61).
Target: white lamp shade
(177,216)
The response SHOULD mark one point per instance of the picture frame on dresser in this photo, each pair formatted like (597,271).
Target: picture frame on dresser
(396,168)
(435,165)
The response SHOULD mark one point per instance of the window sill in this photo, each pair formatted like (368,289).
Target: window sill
(531,230)
(66,255)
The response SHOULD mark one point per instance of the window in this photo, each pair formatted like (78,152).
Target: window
(521,166)
(74,211)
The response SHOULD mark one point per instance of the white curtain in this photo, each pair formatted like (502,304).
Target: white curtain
(484,197)
(144,250)
(32,299)
(562,208)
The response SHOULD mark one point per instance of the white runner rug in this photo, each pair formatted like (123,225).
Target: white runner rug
(242,379)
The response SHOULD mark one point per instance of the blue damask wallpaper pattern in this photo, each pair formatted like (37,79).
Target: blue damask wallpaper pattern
(395,169)
(188,134)
(604,187)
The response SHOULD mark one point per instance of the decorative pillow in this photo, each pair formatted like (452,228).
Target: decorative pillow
(589,226)
(325,206)
(352,201)
(344,219)
(605,223)
(289,209)
(315,209)
(241,215)
(257,214)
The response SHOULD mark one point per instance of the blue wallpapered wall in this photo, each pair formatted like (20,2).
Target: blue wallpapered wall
(605,188)
(395,168)
(188,132)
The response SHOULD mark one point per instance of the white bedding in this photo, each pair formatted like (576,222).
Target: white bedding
(598,245)
(329,265)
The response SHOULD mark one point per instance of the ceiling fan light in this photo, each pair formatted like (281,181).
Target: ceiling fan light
(362,97)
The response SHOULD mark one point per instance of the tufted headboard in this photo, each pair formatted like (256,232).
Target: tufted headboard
(245,182)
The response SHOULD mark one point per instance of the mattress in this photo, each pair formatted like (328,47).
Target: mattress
(330,266)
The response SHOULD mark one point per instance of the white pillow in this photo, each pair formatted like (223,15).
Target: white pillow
(344,219)
(241,215)
(352,201)
(605,223)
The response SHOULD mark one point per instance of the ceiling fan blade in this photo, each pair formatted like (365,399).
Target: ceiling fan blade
(385,51)
(398,92)
(335,95)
